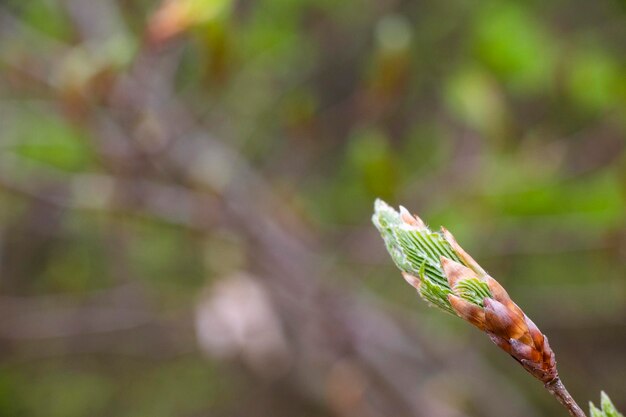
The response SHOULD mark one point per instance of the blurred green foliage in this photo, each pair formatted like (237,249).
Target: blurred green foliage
(504,121)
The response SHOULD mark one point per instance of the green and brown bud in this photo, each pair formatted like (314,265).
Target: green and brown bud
(449,278)
(504,322)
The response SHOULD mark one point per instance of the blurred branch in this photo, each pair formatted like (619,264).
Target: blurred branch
(103,193)
(196,181)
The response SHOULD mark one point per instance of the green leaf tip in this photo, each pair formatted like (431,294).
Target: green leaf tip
(607,410)
(416,250)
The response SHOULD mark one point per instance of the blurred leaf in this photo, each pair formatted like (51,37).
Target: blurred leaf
(476,99)
(44,138)
(595,81)
(594,201)
(45,16)
(176,16)
(515,46)
(373,161)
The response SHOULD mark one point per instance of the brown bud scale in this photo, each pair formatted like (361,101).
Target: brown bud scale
(503,320)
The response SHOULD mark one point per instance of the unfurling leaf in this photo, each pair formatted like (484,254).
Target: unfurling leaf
(608,409)
(447,277)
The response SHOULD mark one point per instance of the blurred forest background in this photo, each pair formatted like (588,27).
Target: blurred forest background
(186,190)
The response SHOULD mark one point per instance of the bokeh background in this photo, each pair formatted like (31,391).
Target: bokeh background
(186,190)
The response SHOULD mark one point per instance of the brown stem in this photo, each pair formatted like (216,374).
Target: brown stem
(557,389)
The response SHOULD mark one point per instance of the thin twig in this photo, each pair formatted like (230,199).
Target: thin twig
(557,389)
